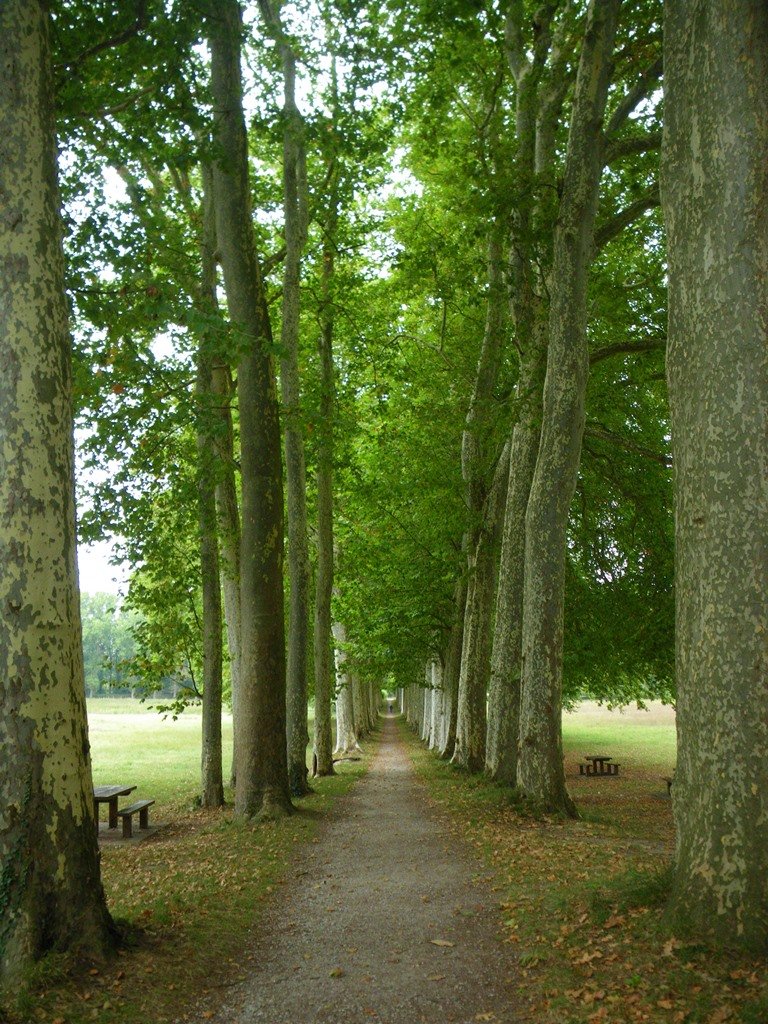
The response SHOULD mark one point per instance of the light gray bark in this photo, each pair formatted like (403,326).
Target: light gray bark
(452,672)
(436,726)
(540,771)
(51,895)
(714,199)
(346,737)
(262,771)
(505,672)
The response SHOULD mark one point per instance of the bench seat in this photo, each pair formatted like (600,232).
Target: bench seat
(140,807)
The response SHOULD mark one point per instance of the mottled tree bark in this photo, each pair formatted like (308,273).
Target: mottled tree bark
(476,467)
(346,737)
(505,672)
(452,670)
(715,196)
(539,66)
(51,895)
(436,728)
(478,627)
(540,774)
(262,772)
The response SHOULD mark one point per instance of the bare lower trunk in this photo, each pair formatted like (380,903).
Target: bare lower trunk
(452,670)
(436,727)
(541,775)
(714,192)
(477,465)
(478,627)
(51,895)
(262,770)
(504,692)
(346,738)
(298,545)
(228,530)
(323,752)
(212,779)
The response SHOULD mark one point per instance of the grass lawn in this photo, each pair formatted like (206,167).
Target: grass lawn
(188,896)
(581,902)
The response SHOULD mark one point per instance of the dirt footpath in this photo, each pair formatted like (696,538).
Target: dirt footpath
(382,920)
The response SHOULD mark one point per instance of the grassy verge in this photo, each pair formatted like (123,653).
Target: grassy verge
(581,902)
(189,896)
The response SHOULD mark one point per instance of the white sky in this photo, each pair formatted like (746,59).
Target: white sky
(96,574)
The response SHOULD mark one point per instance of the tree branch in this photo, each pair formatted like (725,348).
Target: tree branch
(601,433)
(139,23)
(609,229)
(628,348)
(619,148)
(639,91)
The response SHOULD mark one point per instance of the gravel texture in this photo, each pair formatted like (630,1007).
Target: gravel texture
(385,918)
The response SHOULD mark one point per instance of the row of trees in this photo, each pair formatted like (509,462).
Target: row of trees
(444,234)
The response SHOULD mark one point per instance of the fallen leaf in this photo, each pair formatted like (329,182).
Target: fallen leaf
(441,942)
(436,977)
(337,972)
(485,1016)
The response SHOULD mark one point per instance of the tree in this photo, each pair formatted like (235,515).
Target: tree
(714,194)
(51,895)
(262,771)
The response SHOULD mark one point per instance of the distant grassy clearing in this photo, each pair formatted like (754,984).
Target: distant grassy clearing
(134,745)
(631,736)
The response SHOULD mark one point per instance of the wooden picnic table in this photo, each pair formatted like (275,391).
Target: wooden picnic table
(108,795)
(598,764)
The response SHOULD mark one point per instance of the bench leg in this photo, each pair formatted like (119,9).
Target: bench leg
(144,817)
(127,826)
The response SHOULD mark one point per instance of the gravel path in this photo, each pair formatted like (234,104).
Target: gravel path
(352,936)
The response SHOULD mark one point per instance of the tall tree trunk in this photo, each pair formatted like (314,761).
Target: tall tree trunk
(360,706)
(452,672)
(476,464)
(212,780)
(541,774)
(228,531)
(324,578)
(504,692)
(295,214)
(715,195)
(262,770)
(540,90)
(436,728)
(478,628)
(346,737)
(51,895)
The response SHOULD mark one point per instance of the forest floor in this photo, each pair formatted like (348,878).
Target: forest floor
(386,917)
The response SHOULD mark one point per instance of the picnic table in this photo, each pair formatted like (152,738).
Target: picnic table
(598,764)
(109,795)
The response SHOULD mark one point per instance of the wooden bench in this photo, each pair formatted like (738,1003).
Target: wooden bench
(141,807)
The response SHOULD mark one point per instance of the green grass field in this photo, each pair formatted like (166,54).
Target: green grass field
(132,744)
